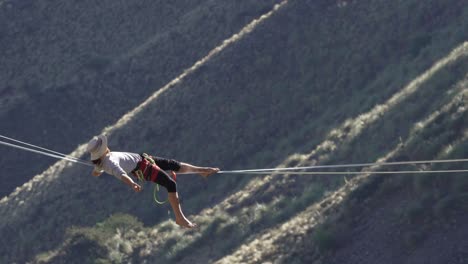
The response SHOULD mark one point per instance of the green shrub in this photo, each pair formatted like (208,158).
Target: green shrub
(460,183)
(443,206)
(414,212)
(450,203)
(97,62)
(421,183)
(102,231)
(324,238)
(412,239)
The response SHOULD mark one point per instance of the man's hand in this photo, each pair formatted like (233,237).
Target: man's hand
(96,173)
(136,187)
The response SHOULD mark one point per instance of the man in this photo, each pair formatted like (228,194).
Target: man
(121,164)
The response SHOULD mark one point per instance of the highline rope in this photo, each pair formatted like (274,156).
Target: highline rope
(288,170)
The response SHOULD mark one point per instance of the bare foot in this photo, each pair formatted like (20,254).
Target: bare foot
(185,223)
(209,171)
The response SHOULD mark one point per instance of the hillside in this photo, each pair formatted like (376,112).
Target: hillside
(63,63)
(319,82)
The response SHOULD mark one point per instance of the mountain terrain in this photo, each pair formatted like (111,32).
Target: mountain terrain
(237,85)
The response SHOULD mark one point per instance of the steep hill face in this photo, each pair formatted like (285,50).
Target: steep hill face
(63,64)
(313,83)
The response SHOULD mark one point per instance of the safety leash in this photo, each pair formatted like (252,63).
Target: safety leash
(156,190)
(140,176)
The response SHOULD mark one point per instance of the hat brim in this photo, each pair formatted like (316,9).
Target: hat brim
(102,148)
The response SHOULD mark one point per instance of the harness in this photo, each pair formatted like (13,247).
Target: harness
(148,170)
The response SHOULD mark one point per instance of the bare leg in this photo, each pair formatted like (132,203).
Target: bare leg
(203,171)
(179,215)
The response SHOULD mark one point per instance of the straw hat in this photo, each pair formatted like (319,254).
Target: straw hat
(97,147)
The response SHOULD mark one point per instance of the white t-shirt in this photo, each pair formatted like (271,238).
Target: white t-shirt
(118,163)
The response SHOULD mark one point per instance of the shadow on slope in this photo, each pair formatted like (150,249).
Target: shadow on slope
(265,214)
(82,59)
(232,132)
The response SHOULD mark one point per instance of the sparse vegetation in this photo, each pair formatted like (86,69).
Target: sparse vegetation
(302,87)
(324,238)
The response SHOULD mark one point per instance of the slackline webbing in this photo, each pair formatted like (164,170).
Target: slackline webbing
(342,172)
(42,151)
(289,170)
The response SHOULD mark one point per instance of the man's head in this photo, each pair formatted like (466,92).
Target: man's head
(97,147)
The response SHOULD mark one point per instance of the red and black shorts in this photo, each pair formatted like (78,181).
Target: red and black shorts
(157,172)
(167,164)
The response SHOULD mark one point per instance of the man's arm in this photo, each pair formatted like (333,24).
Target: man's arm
(119,173)
(127,180)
